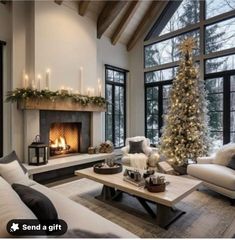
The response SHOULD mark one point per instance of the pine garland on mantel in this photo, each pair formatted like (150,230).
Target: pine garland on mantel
(20,94)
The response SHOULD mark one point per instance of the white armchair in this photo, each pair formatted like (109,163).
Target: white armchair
(137,160)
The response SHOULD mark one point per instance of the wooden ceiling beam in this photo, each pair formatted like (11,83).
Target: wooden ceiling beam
(82,7)
(125,21)
(151,15)
(59,2)
(108,14)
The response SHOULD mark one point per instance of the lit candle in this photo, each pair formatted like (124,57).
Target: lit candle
(48,72)
(26,81)
(99,87)
(81,80)
(39,78)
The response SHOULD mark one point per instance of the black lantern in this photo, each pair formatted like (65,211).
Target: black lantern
(38,152)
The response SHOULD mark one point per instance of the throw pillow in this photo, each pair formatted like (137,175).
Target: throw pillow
(136,147)
(13,173)
(37,202)
(10,158)
(224,155)
(11,207)
(231,163)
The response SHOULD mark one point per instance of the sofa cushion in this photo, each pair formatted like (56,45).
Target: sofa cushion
(11,207)
(10,158)
(224,155)
(39,204)
(13,173)
(231,163)
(215,174)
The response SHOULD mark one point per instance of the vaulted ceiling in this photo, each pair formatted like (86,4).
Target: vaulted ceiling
(122,21)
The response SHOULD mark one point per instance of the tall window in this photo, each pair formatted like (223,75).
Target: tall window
(115,118)
(1,99)
(212,24)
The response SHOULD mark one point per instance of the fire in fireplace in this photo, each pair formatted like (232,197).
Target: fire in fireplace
(64,138)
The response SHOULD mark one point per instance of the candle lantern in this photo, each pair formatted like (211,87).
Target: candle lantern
(37,152)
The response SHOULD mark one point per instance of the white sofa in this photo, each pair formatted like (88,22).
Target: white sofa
(76,216)
(217,177)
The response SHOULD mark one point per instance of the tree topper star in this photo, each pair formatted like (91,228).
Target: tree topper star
(187,45)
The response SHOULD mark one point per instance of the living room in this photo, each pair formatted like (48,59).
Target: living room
(117,119)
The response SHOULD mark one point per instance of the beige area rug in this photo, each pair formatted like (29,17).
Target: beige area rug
(209,215)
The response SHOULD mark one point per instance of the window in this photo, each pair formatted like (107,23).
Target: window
(220,36)
(212,24)
(220,64)
(115,117)
(166,51)
(1,99)
(217,7)
(187,13)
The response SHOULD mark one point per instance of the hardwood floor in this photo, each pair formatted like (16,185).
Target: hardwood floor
(209,215)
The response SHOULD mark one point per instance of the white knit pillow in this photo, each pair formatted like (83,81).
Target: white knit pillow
(224,155)
(13,173)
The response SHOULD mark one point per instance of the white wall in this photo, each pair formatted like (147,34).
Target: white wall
(65,41)
(44,35)
(137,101)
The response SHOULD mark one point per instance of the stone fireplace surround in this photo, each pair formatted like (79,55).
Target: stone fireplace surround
(32,126)
(46,118)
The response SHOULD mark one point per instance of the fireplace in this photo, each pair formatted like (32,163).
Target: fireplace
(65,132)
(64,138)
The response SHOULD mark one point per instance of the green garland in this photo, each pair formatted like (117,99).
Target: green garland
(20,94)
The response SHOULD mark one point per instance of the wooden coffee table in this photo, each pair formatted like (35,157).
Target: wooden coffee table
(177,189)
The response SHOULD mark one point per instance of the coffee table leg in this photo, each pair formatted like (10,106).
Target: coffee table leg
(107,193)
(167,215)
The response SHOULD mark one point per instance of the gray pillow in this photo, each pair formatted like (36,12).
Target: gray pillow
(37,202)
(231,163)
(10,158)
(136,147)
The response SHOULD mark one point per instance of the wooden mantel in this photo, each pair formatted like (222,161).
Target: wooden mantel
(58,105)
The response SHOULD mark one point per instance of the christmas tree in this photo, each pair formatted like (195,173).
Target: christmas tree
(186,135)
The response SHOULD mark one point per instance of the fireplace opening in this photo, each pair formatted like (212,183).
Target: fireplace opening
(64,138)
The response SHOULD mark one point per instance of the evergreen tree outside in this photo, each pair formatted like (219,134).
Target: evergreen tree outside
(185,134)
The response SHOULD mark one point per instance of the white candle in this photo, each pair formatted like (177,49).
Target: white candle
(92,92)
(81,80)
(26,81)
(48,72)
(33,85)
(99,90)
(39,78)
(88,92)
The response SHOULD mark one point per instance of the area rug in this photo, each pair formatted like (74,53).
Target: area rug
(208,214)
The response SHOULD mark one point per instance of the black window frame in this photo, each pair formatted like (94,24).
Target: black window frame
(1,97)
(226,75)
(113,84)
(160,85)
(153,37)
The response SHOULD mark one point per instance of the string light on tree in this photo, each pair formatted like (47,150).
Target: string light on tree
(186,134)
